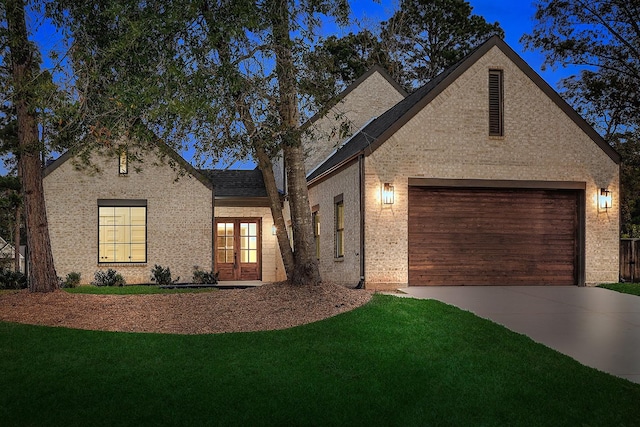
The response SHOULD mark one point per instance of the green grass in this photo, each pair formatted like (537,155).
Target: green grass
(131,290)
(625,288)
(394,362)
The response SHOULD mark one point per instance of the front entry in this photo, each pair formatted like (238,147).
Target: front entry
(238,246)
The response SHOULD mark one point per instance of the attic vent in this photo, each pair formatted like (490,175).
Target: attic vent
(495,103)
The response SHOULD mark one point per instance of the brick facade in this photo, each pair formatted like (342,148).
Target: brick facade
(179,217)
(448,139)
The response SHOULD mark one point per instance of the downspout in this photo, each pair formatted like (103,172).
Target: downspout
(362,200)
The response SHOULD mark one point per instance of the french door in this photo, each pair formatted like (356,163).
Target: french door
(237,246)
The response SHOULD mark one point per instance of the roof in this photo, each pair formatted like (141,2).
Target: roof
(237,183)
(377,132)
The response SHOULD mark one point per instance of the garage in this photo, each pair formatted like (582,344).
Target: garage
(494,236)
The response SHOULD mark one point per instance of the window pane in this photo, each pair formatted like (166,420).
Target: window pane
(138,234)
(138,216)
(138,253)
(253,229)
(122,234)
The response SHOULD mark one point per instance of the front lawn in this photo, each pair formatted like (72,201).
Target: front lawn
(394,361)
(625,288)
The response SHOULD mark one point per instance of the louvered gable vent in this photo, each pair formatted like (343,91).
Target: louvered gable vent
(495,103)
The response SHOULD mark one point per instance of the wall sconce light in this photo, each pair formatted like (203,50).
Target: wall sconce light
(604,200)
(387,194)
(273,230)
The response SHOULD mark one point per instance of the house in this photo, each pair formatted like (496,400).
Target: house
(483,176)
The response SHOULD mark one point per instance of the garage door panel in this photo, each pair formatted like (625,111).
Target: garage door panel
(492,236)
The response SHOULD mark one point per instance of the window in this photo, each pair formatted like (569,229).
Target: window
(123,161)
(315,216)
(248,242)
(496,127)
(122,231)
(339,220)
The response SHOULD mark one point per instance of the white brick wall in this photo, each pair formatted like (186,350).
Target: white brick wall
(369,99)
(345,270)
(449,139)
(179,218)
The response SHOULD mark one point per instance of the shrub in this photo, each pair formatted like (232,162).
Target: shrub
(109,278)
(72,280)
(10,279)
(204,277)
(162,276)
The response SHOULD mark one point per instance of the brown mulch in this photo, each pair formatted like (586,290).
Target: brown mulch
(268,307)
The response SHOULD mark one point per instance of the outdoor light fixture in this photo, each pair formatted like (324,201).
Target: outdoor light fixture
(387,194)
(604,200)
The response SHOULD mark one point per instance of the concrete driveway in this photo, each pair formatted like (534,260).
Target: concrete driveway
(597,327)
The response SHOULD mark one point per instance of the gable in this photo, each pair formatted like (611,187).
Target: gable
(163,156)
(368,97)
(383,128)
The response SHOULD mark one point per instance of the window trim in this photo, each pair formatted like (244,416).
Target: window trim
(124,203)
(338,203)
(496,102)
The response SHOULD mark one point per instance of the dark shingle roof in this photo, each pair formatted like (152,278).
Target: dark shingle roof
(236,183)
(375,133)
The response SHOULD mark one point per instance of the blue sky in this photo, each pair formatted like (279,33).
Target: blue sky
(515,17)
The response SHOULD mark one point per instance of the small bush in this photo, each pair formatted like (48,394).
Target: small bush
(10,279)
(204,277)
(72,280)
(162,276)
(108,278)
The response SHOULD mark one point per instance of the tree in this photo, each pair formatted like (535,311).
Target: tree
(25,82)
(603,37)
(223,72)
(420,40)
(427,36)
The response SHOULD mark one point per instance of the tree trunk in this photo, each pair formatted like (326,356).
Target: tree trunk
(305,270)
(266,166)
(16,239)
(42,274)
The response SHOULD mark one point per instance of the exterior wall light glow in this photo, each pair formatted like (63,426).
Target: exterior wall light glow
(604,200)
(387,194)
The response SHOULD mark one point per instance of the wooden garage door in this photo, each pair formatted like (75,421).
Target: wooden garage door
(492,236)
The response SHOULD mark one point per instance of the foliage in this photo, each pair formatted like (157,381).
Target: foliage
(457,369)
(108,278)
(420,40)
(162,276)
(72,280)
(603,37)
(10,279)
(204,277)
